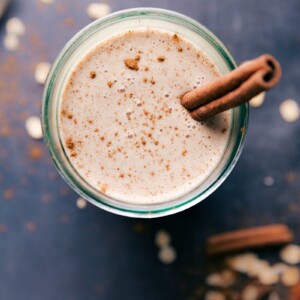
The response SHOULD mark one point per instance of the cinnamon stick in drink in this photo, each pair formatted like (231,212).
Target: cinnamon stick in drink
(234,88)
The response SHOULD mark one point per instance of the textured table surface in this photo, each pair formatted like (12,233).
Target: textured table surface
(50,249)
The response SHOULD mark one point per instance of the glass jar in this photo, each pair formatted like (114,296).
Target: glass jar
(86,39)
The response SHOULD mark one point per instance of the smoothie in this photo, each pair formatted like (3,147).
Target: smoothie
(122,125)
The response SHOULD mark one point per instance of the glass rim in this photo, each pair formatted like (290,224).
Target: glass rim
(49,86)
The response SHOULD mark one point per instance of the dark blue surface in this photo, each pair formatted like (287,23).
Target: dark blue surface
(49,249)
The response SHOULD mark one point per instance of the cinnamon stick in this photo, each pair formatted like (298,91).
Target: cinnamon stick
(295,292)
(234,88)
(249,238)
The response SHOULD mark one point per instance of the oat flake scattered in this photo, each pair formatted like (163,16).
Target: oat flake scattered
(214,295)
(41,72)
(15,26)
(98,10)
(258,100)
(162,238)
(291,276)
(223,279)
(47,1)
(289,110)
(11,42)
(290,254)
(250,293)
(34,127)
(167,255)
(257,266)
(242,263)
(279,268)
(214,279)
(81,203)
(268,277)
(269,181)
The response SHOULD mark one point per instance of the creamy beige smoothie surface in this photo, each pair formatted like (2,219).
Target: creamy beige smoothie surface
(122,124)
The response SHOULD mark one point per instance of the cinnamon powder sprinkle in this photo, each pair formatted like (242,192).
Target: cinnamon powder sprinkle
(179,49)
(152,81)
(102,138)
(3,228)
(70,116)
(36,153)
(132,64)
(69,22)
(161,59)
(104,188)
(70,144)
(139,227)
(8,194)
(176,38)
(184,152)
(93,74)
(110,84)
(31,226)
